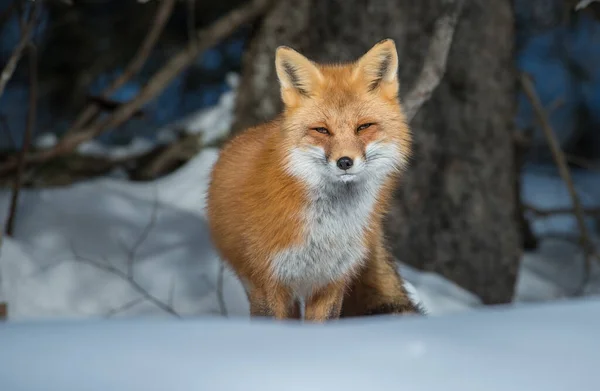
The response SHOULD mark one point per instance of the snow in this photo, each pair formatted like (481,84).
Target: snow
(66,238)
(542,347)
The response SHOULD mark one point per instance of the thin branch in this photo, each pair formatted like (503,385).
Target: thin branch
(10,223)
(137,62)
(191,20)
(583,162)
(6,129)
(434,66)
(560,211)
(143,236)
(206,38)
(561,162)
(220,297)
(137,287)
(171,299)
(124,307)
(26,34)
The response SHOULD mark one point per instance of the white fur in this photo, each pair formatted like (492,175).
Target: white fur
(337,216)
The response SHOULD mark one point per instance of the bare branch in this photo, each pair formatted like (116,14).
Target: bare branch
(560,211)
(561,162)
(26,34)
(206,38)
(32,110)
(137,287)
(128,277)
(583,162)
(143,236)
(137,62)
(6,129)
(220,298)
(125,307)
(191,20)
(434,65)
(171,299)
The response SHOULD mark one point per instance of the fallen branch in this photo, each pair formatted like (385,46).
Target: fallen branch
(31,114)
(204,39)
(162,16)
(561,162)
(434,65)
(14,58)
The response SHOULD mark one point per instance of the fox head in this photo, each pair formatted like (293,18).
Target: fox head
(343,122)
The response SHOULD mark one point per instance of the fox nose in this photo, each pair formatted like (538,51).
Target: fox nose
(344,163)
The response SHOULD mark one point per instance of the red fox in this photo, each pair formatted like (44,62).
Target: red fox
(295,205)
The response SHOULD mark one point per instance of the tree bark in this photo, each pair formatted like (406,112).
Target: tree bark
(455,211)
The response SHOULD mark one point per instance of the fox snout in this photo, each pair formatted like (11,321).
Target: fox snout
(344,163)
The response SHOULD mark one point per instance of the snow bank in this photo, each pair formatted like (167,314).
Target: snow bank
(543,347)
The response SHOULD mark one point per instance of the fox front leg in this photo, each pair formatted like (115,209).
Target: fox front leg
(325,304)
(274,302)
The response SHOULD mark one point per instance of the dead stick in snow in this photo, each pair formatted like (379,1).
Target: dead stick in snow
(434,65)
(205,38)
(561,162)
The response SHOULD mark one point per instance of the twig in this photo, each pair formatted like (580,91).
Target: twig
(12,62)
(560,211)
(191,20)
(124,307)
(220,298)
(561,162)
(434,65)
(6,129)
(137,287)
(171,299)
(143,236)
(10,223)
(583,162)
(162,16)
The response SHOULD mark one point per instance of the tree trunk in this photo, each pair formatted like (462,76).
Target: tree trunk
(455,211)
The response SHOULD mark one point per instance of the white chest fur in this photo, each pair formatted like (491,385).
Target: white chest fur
(334,229)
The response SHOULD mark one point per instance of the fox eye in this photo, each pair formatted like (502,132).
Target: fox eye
(363,127)
(321,130)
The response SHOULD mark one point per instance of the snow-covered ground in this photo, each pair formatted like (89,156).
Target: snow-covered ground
(109,247)
(545,347)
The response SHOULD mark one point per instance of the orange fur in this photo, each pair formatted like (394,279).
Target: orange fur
(256,206)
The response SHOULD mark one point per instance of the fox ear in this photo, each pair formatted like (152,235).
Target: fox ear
(298,76)
(379,68)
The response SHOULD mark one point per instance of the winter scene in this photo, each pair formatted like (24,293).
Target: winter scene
(299,195)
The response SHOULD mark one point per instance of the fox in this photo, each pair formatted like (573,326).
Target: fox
(295,205)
